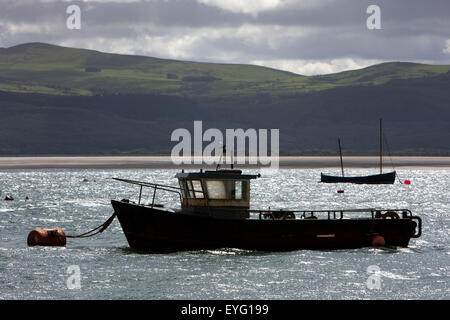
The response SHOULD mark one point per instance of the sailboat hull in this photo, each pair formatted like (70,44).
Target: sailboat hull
(384,178)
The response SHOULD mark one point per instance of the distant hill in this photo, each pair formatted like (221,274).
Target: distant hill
(58,100)
(50,69)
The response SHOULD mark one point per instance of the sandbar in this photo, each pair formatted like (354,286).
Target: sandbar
(165,162)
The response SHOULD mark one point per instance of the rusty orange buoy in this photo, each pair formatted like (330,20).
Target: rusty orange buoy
(47,237)
(378,241)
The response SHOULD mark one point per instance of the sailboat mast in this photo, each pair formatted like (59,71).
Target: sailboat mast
(381,146)
(340,154)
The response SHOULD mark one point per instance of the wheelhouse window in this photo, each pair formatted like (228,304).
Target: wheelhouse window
(184,190)
(191,189)
(238,194)
(197,188)
(226,189)
(215,189)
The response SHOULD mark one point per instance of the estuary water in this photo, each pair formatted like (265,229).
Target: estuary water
(78,200)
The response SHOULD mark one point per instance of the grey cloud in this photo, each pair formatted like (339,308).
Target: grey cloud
(411,30)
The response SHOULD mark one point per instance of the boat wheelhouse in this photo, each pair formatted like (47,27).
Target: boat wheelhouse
(224,193)
(215,213)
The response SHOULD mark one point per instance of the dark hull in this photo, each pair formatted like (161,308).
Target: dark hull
(384,178)
(159,230)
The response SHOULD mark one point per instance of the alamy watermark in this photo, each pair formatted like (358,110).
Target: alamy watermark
(235,139)
(74,19)
(374,280)
(74,279)
(374,20)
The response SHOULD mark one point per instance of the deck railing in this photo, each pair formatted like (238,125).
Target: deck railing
(279,214)
(331,214)
(155,187)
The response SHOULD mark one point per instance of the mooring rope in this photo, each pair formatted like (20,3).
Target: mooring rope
(95,231)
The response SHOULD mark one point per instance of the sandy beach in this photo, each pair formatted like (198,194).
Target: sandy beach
(156,162)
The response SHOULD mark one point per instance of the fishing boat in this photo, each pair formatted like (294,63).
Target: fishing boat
(215,213)
(381,178)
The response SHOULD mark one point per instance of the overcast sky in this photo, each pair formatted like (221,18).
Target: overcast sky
(303,36)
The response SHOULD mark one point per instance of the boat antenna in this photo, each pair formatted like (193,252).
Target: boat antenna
(220,158)
(381,146)
(340,154)
(224,152)
(232,160)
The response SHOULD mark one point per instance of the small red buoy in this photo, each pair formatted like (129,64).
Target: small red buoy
(340,191)
(378,241)
(47,237)
(407,181)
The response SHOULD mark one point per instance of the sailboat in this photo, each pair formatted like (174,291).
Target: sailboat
(381,178)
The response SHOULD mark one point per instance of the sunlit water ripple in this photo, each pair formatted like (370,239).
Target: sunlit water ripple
(110,270)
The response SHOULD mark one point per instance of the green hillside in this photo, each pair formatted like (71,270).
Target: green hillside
(65,101)
(44,68)
(50,69)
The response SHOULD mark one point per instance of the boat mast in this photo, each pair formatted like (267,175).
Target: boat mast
(381,147)
(340,154)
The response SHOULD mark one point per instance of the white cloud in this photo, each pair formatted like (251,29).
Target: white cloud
(254,7)
(220,44)
(240,6)
(317,67)
(196,44)
(158,46)
(98,1)
(447,47)
(35,29)
(201,44)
